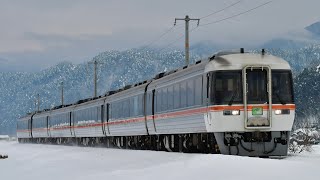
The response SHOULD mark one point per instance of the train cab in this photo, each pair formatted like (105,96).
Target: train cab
(251,102)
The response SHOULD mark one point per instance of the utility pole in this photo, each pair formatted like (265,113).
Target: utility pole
(35,104)
(186,19)
(61,93)
(38,102)
(95,76)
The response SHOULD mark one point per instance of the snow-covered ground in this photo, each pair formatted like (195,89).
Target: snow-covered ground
(51,162)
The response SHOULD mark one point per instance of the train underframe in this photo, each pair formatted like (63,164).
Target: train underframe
(261,144)
(258,143)
(188,143)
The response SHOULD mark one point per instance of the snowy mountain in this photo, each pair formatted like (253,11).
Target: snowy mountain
(115,70)
(296,39)
(314,28)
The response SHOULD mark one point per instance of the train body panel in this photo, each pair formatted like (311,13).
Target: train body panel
(128,127)
(181,122)
(236,123)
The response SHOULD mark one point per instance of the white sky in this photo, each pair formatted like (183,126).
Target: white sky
(40,33)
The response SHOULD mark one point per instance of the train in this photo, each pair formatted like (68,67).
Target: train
(233,103)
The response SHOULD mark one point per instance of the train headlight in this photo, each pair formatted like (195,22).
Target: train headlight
(282,111)
(231,112)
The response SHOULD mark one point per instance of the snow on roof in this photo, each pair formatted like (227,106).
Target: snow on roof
(240,60)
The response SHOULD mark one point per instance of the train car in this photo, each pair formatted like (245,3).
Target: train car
(60,124)
(126,112)
(252,107)
(176,106)
(24,132)
(87,119)
(40,131)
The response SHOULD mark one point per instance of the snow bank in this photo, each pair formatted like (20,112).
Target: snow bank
(50,162)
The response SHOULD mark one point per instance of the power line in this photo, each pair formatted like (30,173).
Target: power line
(217,21)
(233,16)
(169,30)
(216,12)
(158,38)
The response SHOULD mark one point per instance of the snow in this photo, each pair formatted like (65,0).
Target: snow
(52,162)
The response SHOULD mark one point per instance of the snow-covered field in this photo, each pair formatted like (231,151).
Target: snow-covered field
(51,162)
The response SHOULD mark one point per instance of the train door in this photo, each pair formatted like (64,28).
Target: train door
(47,126)
(206,93)
(70,123)
(30,127)
(257,97)
(107,118)
(103,119)
(153,108)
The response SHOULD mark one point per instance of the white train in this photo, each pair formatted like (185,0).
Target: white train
(231,103)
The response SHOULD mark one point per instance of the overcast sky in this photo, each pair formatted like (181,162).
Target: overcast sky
(35,34)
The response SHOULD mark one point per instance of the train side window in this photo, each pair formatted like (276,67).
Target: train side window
(183,94)
(115,108)
(159,95)
(170,98)
(92,111)
(99,114)
(127,107)
(149,103)
(120,111)
(164,99)
(198,90)
(124,109)
(140,104)
(190,93)
(176,96)
(131,107)
(137,105)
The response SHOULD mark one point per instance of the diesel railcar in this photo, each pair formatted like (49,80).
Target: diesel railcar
(231,103)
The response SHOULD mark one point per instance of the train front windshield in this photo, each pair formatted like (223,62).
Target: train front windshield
(282,87)
(226,87)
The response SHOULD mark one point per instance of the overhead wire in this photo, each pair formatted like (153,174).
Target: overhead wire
(233,16)
(216,12)
(159,37)
(174,26)
(217,21)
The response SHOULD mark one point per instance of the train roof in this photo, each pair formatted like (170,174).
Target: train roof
(237,61)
